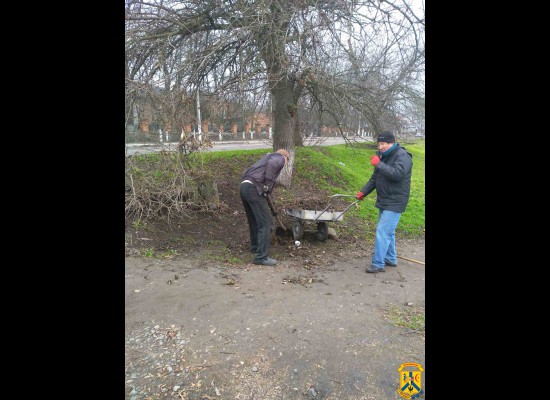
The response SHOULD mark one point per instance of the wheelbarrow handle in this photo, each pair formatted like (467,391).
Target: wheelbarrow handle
(347,208)
(328,205)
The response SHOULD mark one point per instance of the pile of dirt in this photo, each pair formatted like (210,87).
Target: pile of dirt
(225,230)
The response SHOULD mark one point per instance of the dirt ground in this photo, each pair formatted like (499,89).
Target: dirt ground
(203,322)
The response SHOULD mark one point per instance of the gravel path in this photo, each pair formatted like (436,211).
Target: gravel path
(199,329)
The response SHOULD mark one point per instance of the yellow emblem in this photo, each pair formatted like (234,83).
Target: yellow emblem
(410,380)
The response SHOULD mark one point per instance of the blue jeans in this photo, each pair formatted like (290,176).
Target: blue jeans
(384,243)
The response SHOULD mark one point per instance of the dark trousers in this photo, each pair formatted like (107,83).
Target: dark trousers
(259,219)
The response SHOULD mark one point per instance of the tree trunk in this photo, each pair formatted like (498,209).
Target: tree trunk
(284,90)
(283,132)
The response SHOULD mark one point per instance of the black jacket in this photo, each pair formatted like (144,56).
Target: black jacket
(392,180)
(265,171)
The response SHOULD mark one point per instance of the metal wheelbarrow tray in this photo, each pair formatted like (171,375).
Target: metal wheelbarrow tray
(321,218)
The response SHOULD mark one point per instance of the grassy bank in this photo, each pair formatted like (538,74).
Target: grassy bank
(342,169)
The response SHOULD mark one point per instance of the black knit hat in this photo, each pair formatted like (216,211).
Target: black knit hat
(386,136)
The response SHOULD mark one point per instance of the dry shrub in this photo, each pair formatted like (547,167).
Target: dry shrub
(164,184)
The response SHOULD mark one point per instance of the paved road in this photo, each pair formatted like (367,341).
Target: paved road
(143,148)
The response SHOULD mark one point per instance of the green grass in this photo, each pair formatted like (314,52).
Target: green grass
(342,169)
(346,170)
(137,224)
(218,252)
(151,253)
(407,317)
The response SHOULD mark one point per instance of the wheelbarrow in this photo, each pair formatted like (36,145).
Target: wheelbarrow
(321,218)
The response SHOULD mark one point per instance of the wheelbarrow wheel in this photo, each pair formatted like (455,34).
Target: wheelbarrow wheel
(322,231)
(297,230)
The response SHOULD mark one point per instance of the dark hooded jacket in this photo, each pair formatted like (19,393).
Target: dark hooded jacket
(391,179)
(265,171)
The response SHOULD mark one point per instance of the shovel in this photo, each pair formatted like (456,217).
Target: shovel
(274,212)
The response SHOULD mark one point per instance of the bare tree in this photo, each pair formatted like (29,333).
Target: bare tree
(336,59)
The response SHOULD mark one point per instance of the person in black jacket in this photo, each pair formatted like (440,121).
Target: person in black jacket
(257,184)
(392,180)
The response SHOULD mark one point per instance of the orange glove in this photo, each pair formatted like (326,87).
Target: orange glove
(360,196)
(374,160)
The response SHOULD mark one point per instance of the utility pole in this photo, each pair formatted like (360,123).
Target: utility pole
(199,122)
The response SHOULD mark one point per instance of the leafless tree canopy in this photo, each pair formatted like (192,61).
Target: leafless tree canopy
(327,62)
